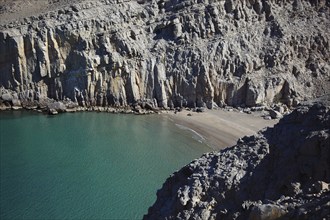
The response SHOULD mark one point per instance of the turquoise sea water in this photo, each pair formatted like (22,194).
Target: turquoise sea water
(87,165)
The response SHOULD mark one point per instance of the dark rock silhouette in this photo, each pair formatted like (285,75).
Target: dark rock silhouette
(280,173)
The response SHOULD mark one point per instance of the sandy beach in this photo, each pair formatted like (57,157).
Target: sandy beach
(220,128)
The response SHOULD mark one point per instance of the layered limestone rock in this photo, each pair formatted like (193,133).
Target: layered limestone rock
(280,173)
(169,53)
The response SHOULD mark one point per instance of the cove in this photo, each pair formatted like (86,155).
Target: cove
(87,165)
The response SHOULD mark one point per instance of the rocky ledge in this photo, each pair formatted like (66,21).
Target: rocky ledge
(166,53)
(279,173)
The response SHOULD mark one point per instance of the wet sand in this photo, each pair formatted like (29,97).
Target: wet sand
(220,128)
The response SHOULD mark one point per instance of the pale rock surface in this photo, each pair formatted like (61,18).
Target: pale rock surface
(165,53)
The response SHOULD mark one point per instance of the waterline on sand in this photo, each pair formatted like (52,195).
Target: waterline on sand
(197,136)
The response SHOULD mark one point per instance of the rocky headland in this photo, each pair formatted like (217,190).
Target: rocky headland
(162,54)
(279,173)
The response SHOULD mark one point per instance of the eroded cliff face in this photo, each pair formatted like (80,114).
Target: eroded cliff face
(170,53)
(279,173)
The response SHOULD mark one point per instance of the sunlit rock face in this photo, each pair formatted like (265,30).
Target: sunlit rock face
(170,53)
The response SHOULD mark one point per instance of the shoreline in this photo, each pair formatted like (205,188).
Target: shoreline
(217,128)
(220,128)
(112,110)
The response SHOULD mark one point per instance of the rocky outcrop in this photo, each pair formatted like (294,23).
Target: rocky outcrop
(169,53)
(280,173)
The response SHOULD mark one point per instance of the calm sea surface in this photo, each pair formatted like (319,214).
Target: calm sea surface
(87,165)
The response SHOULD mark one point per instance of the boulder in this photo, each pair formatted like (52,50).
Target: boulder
(266,212)
(201,109)
(16,102)
(7,97)
(57,106)
(275,114)
(52,111)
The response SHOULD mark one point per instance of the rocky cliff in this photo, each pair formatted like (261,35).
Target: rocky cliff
(280,173)
(167,53)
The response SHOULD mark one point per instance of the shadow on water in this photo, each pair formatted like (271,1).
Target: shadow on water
(17,114)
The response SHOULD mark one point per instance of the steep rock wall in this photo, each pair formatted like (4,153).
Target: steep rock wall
(170,53)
